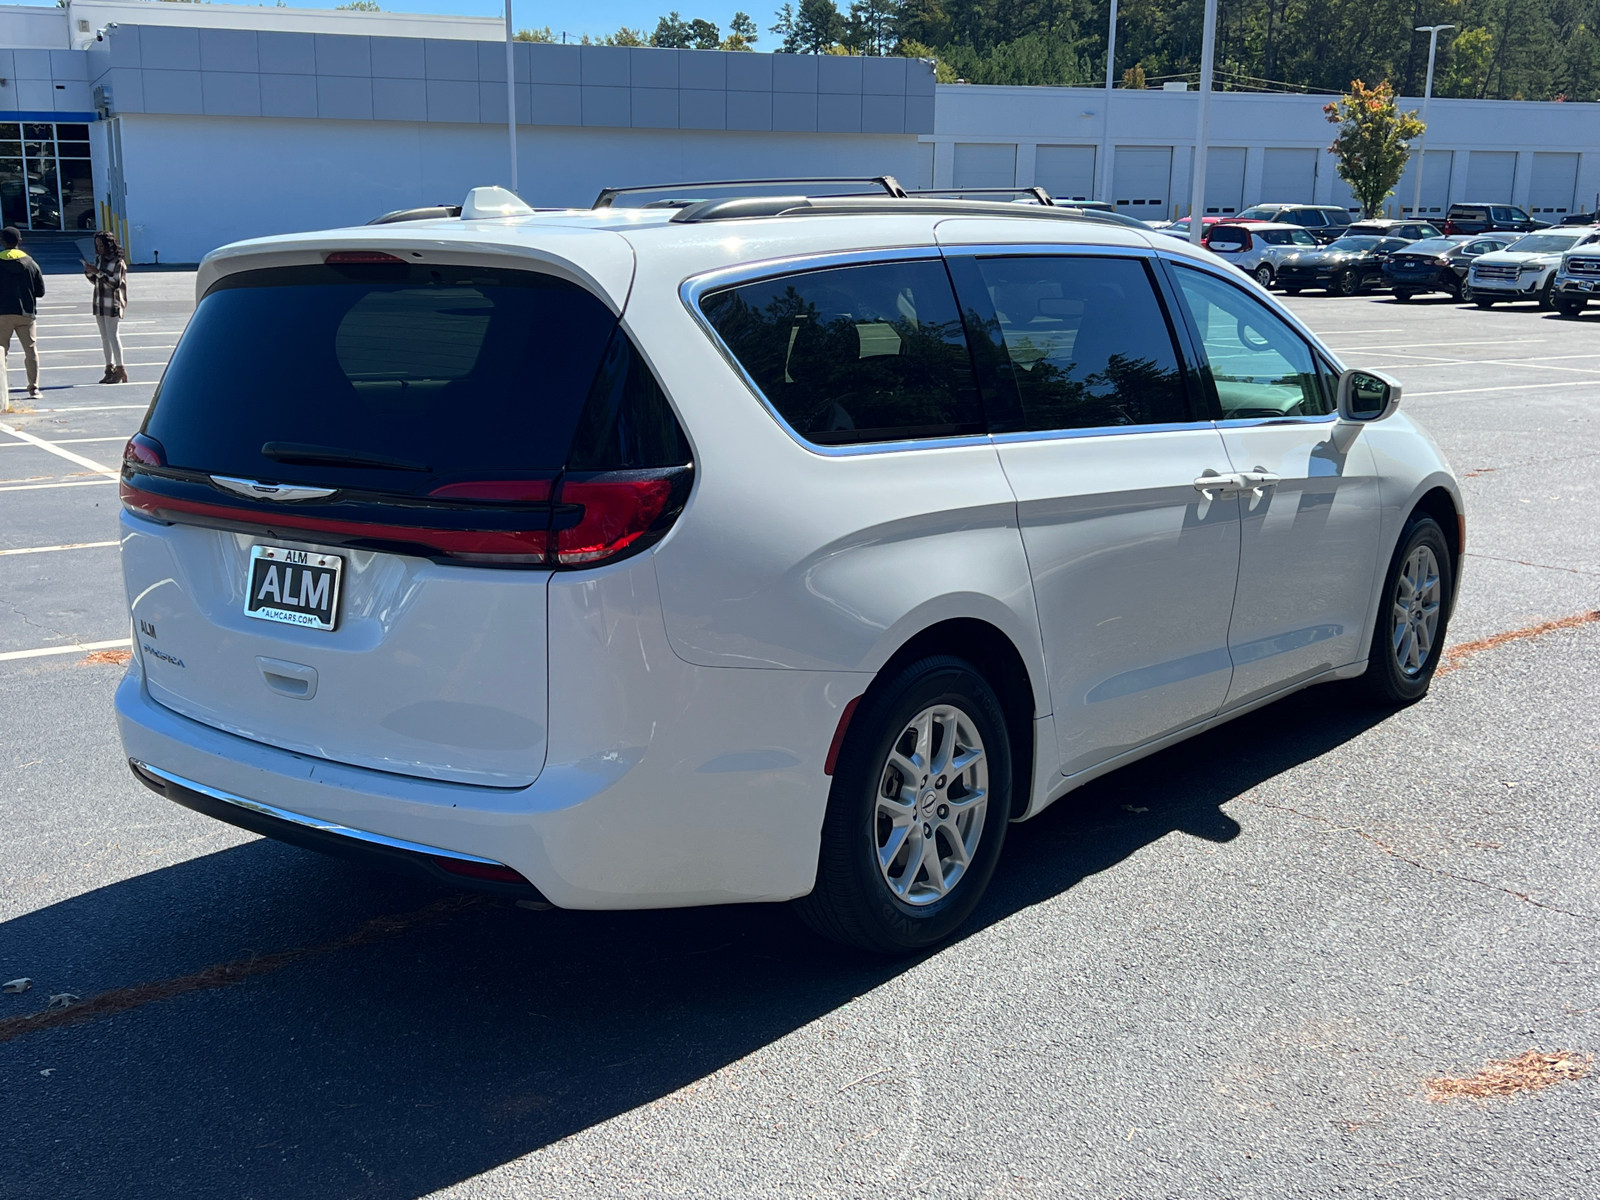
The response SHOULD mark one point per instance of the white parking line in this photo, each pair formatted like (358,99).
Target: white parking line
(75,648)
(94,407)
(1516,387)
(1419,345)
(40,487)
(68,546)
(56,450)
(60,441)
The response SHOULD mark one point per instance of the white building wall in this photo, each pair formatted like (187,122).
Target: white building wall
(195,183)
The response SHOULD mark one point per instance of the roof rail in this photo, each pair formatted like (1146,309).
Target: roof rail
(434,212)
(742,207)
(1036,195)
(802,187)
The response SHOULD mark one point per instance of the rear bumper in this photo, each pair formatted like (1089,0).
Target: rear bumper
(667,784)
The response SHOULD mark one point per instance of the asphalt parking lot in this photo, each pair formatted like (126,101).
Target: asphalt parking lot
(1228,971)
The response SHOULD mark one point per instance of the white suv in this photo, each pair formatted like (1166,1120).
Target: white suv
(754,549)
(1526,269)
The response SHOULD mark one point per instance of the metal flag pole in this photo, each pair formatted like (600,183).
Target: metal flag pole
(511,96)
(1433,32)
(1103,192)
(1197,192)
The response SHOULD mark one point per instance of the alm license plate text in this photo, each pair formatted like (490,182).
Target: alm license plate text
(297,587)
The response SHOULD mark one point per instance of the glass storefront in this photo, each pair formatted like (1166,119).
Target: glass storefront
(45,179)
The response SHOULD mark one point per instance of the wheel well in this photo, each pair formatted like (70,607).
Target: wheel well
(1438,505)
(993,653)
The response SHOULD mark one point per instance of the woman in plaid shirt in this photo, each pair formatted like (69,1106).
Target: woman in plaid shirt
(109,274)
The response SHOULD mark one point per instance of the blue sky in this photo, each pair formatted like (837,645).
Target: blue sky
(574,16)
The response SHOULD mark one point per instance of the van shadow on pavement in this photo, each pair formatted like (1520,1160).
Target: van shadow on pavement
(403,1066)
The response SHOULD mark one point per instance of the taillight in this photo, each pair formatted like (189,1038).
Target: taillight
(144,451)
(617,511)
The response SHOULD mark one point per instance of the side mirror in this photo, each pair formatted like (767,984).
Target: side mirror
(1367,395)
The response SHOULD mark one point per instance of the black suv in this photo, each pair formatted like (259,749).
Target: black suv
(1324,221)
(1474,219)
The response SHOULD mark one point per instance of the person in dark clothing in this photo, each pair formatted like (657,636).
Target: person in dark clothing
(21,285)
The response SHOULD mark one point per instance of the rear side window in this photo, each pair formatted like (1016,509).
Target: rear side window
(404,378)
(1309,217)
(1230,237)
(857,354)
(1088,343)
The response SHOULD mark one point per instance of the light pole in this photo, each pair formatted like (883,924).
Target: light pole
(511,96)
(1433,32)
(1104,190)
(1197,192)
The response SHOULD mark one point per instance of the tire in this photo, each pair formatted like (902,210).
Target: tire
(1569,308)
(1348,283)
(1403,296)
(1547,294)
(1462,292)
(898,907)
(1408,633)
(1483,301)
(1263,274)
(1291,291)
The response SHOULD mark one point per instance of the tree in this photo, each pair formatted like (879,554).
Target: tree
(1133,78)
(813,29)
(672,33)
(534,35)
(704,35)
(358,6)
(1373,145)
(741,33)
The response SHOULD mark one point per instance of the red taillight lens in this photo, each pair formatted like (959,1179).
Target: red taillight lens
(144,451)
(503,491)
(616,513)
(344,257)
(493,872)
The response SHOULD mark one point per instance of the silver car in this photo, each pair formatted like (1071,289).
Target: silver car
(1257,247)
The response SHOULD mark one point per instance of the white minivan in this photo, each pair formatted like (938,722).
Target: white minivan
(745,547)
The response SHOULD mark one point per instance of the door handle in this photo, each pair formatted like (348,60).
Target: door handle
(1260,481)
(1223,485)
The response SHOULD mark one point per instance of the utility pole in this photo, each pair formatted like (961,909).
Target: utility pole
(1106,182)
(1197,193)
(511,94)
(1433,32)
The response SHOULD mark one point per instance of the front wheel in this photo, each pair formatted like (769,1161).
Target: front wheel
(1463,291)
(1402,296)
(1413,614)
(1569,308)
(1348,283)
(1263,275)
(917,813)
(1483,301)
(1291,291)
(1547,294)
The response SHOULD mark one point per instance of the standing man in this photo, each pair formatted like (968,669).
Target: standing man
(21,285)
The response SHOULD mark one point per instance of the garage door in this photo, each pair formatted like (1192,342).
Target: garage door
(984,164)
(1554,183)
(1143,179)
(1066,172)
(1224,180)
(1288,176)
(1435,185)
(1490,177)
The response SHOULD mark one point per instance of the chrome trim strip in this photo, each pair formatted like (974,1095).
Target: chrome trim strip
(1059,435)
(283,814)
(1038,249)
(282,492)
(1256,422)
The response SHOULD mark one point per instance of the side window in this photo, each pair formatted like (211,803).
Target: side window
(1301,238)
(1231,238)
(1261,366)
(846,355)
(1310,218)
(1088,342)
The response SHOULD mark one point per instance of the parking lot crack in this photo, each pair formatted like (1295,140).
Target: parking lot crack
(1399,856)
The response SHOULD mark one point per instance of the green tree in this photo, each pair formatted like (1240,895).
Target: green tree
(741,33)
(816,26)
(358,6)
(1373,145)
(672,33)
(534,35)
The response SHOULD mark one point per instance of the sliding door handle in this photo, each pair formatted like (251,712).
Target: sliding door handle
(1222,485)
(1259,481)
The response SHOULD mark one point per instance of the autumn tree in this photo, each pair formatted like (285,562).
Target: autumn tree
(1373,145)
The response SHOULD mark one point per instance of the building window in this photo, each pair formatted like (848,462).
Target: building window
(45,176)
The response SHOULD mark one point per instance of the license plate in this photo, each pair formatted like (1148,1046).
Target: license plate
(297,587)
(1585,285)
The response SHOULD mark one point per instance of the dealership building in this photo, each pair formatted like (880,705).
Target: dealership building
(185,126)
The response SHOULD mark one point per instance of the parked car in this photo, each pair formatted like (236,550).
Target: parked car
(1348,266)
(1577,280)
(1180,227)
(682,556)
(1257,247)
(1411,231)
(1581,218)
(1526,269)
(1438,265)
(1488,218)
(1325,221)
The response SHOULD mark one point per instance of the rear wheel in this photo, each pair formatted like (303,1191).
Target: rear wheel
(1402,296)
(1263,275)
(917,813)
(1348,283)
(1413,614)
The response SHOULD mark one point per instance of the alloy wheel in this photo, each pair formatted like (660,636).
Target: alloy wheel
(1264,275)
(1416,610)
(933,794)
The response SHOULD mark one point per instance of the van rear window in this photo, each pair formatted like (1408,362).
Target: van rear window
(426,373)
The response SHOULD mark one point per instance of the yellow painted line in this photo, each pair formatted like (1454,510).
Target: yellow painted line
(75,648)
(67,546)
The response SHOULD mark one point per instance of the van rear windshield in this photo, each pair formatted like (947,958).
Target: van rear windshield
(426,373)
